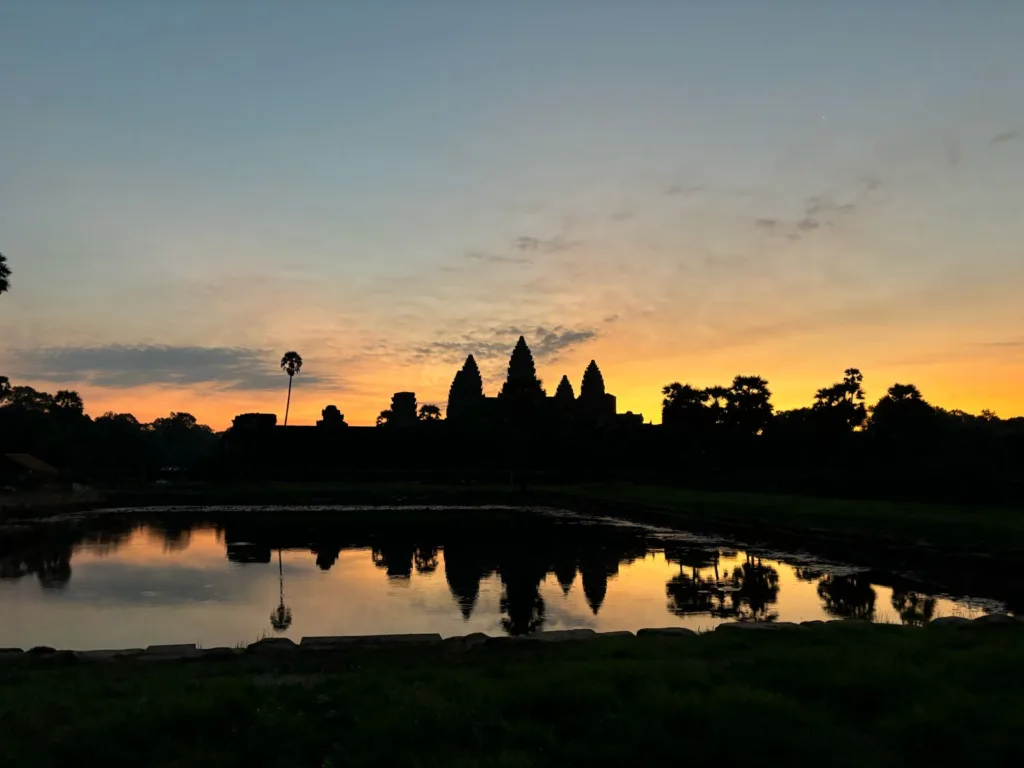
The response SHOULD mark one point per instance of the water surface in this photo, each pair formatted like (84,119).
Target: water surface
(225,576)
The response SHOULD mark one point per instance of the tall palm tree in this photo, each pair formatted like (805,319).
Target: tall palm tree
(281,618)
(5,274)
(291,364)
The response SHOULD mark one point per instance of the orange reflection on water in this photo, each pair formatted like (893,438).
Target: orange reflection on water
(142,586)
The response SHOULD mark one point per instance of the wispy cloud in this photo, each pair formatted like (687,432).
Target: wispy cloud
(494,258)
(123,367)
(555,244)
(1004,137)
(496,343)
(819,211)
(1013,344)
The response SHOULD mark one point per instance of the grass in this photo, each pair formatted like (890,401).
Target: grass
(970,530)
(977,529)
(864,696)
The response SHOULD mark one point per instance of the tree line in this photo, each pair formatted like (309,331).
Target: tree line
(56,428)
(744,409)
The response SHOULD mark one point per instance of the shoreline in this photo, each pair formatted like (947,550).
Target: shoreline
(341,643)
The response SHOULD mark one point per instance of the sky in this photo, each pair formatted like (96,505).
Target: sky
(682,191)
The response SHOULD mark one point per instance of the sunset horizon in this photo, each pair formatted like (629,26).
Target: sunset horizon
(679,193)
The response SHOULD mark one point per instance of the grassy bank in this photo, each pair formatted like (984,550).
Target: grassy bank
(782,520)
(849,696)
(988,530)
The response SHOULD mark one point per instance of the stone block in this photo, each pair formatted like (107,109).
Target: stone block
(996,620)
(665,632)
(760,626)
(848,623)
(169,652)
(621,633)
(950,621)
(109,655)
(221,653)
(343,641)
(467,641)
(273,645)
(564,635)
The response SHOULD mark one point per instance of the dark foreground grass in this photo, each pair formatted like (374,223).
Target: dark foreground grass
(847,696)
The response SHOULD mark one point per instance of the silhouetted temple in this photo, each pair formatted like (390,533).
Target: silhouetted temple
(522,400)
(520,428)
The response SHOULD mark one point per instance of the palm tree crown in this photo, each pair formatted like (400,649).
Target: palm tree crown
(5,273)
(291,363)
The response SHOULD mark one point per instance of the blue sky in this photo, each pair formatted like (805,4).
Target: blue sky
(681,190)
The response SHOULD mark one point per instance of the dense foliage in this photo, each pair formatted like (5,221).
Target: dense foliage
(55,428)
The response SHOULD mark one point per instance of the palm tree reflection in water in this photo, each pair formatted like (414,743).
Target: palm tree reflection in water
(281,618)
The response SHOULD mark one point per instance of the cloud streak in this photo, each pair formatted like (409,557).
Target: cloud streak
(497,343)
(123,367)
(556,244)
(493,258)
(819,211)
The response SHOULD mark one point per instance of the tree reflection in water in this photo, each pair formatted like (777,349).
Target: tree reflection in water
(914,609)
(746,593)
(523,555)
(848,597)
(281,618)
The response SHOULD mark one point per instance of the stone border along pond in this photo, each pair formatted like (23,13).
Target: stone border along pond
(321,644)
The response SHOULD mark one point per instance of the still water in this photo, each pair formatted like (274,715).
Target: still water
(222,577)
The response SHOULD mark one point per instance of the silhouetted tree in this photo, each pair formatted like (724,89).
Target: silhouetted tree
(521,603)
(841,405)
(395,557)
(914,608)
(718,397)
(28,399)
(522,385)
(181,440)
(384,418)
(429,412)
(466,393)
(850,597)
(54,570)
(291,364)
(757,588)
(67,400)
(281,618)
(684,408)
(5,390)
(903,414)
(5,275)
(695,558)
(749,408)
(689,594)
